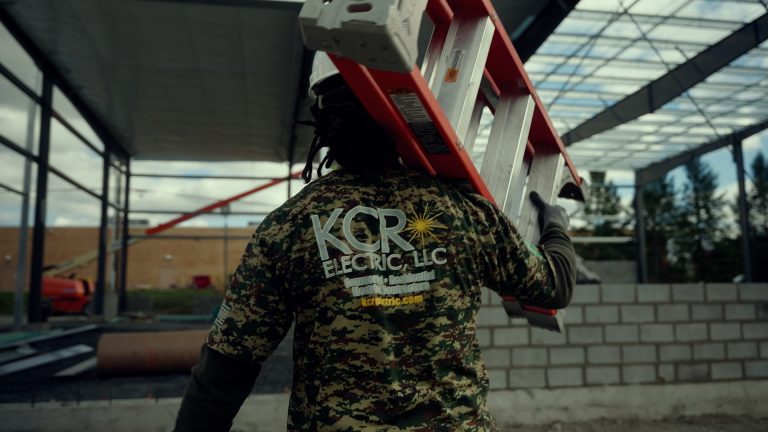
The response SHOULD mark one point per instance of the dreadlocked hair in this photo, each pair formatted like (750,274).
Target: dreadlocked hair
(352,137)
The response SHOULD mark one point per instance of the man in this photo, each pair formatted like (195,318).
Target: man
(380,269)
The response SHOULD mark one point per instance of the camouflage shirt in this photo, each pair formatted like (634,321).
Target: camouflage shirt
(381,277)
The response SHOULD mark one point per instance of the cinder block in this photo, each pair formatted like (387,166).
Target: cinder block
(707,312)
(724,331)
(485,296)
(719,293)
(693,372)
(546,337)
(688,293)
(709,351)
(636,374)
(618,293)
(672,313)
(690,332)
(622,333)
(604,354)
(495,299)
(529,356)
(585,334)
(566,356)
(518,322)
(637,313)
(753,292)
(756,369)
(742,350)
(653,293)
(565,377)
(756,330)
(657,333)
(667,372)
(638,354)
(764,349)
(674,353)
(484,337)
(496,357)
(573,315)
(740,312)
(603,375)
(510,336)
(601,314)
(762,311)
(586,294)
(497,378)
(726,370)
(492,316)
(527,378)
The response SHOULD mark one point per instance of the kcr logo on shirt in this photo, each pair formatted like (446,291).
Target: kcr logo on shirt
(387,231)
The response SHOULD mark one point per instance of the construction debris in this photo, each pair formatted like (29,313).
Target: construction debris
(42,359)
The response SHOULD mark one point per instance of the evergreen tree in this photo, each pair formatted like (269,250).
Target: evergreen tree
(757,197)
(661,214)
(605,217)
(603,207)
(699,225)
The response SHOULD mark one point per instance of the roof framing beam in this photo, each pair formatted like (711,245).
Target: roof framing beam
(671,85)
(542,27)
(48,68)
(658,169)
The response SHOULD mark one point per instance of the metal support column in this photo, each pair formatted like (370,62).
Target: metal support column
(641,259)
(746,250)
(38,234)
(101,282)
(21,262)
(122,299)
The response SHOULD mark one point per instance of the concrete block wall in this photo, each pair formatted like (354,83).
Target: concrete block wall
(633,334)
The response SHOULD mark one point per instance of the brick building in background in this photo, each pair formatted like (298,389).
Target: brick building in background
(152,263)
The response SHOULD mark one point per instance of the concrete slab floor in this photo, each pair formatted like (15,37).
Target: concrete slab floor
(725,407)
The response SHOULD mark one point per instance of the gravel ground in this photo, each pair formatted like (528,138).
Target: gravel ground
(710,423)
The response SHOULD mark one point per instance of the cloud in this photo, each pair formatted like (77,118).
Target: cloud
(755,142)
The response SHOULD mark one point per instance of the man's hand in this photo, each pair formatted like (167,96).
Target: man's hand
(549,214)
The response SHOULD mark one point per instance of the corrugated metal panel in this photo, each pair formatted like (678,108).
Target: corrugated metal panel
(178,80)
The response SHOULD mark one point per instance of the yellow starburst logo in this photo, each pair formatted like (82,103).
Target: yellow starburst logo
(423,225)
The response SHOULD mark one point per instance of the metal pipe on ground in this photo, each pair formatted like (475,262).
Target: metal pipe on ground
(149,352)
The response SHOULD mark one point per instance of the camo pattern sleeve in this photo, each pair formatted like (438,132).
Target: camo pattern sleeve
(513,267)
(255,314)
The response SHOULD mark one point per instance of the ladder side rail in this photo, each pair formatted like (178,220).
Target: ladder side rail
(544,178)
(452,160)
(383,111)
(505,66)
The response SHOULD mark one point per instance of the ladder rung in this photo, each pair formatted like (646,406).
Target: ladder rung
(503,161)
(460,69)
(544,178)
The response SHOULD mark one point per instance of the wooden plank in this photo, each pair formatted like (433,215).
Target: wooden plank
(43,359)
(77,369)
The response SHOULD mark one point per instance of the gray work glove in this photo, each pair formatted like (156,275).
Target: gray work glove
(549,214)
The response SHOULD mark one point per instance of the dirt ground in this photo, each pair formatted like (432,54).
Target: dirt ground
(710,423)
